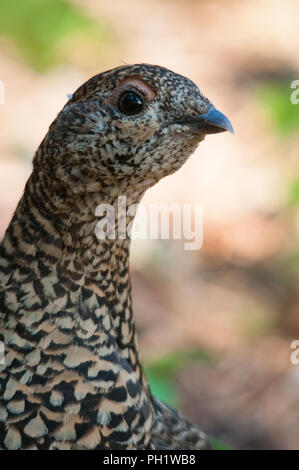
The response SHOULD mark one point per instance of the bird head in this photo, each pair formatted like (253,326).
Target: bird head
(127,128)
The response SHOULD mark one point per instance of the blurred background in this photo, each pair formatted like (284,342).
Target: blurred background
(215,325)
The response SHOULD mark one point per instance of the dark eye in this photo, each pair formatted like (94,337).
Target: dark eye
(130,102)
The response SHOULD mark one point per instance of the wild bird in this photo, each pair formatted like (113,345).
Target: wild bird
(72,377)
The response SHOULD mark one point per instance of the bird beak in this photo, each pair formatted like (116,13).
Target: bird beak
(211,122)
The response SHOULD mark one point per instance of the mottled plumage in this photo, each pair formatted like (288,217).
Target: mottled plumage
(73,377)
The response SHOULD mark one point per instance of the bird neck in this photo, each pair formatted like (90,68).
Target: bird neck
(85,276)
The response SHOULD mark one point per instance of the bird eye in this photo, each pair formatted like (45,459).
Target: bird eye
(130,102)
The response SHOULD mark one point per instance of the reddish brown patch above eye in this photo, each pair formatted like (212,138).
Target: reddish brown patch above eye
(132,83)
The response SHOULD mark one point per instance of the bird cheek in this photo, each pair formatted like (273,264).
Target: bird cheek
(140,133)
(147,133)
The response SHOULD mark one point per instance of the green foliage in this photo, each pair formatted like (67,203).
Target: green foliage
(40,29)
(274,96)
(161,372)
(164,389)
(257,322)
(288,268)
(168,366)
(161,376)
(293,192)
(218,445)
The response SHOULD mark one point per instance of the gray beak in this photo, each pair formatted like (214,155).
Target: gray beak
(212,122)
